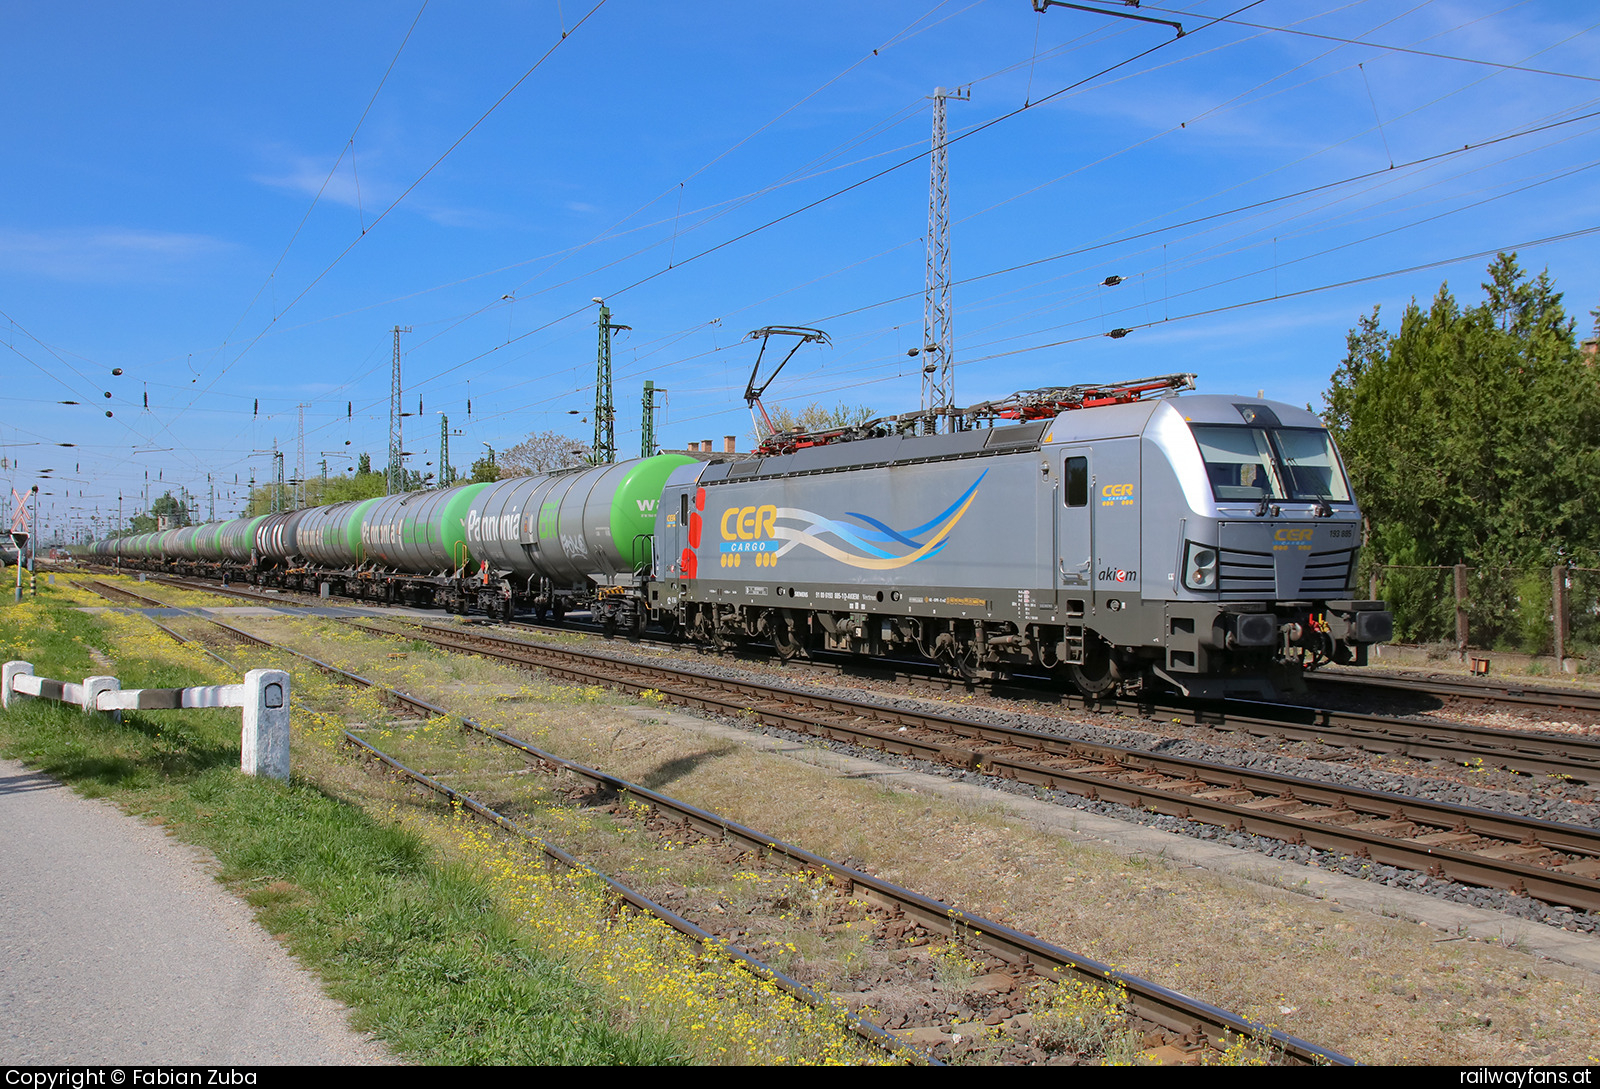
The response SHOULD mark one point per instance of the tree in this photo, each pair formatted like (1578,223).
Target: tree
(816,418)
(1473,435)
(174,510)
(363,484)
(543,452)
(484,470)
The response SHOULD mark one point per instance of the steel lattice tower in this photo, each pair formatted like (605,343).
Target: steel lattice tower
(647,431)
(605,415)
(447,475)
(395,477)
(300,457)
(938,366)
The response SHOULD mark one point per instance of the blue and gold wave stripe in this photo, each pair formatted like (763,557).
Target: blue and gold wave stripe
(876,558)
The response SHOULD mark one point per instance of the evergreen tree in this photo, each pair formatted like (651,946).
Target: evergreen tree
(1473,435)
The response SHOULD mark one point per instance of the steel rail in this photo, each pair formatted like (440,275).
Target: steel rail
(714,945)
(1528,752)
(859,1025)
(1151,1001)
(1093,771)
(1528,695)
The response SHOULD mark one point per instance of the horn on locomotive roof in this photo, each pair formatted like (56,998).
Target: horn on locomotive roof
(752,393)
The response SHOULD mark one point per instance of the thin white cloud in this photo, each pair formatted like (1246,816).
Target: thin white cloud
(365,189)
(303,175)
(103,255)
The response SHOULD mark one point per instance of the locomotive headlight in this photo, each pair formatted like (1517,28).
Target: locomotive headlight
(1199,567)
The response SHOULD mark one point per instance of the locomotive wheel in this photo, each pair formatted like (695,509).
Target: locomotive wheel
(786,636)
(1098,674)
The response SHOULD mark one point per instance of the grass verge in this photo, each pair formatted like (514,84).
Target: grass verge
(421,950)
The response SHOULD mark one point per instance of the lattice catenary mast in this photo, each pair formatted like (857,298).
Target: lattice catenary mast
(647,430)
(938,367)
(447,475)
(300,457)
(605,414)
(395,478)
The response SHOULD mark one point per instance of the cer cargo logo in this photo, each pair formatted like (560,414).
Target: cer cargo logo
(1116,494)
(750,529)
(1118,574)
(866,542)
(749,523)
(1293,533)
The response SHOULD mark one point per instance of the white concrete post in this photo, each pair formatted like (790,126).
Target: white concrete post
(264,745)
(8,697)
(92,687)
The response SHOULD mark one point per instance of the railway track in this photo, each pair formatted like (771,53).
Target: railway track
(624,893)
(1557,863)
(1192,1026)
(1526,752)
(1547,698)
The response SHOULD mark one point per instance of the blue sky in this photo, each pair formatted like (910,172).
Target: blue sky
(235,206)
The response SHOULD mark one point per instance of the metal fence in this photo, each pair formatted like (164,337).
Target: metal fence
(1553,611)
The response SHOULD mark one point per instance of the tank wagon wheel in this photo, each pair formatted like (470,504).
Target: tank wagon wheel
(608,625)
(1099,673)
(540,611)
(636,625)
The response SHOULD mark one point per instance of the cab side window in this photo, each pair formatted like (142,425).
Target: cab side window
(1077,474)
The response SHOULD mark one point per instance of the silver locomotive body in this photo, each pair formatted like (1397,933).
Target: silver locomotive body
(1205,540)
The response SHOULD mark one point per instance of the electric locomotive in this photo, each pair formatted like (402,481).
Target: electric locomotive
(1207,542)
(1115,536)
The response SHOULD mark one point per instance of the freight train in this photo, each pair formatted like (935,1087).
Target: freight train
(1114,536)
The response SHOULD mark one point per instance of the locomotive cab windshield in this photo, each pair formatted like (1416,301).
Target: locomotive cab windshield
(1295,464)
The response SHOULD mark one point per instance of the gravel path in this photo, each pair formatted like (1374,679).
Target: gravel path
(119,947)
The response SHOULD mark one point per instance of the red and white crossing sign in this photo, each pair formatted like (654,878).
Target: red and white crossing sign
(19,518)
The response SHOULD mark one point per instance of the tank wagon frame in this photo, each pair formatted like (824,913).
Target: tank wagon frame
(545,544)
(1113,536)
